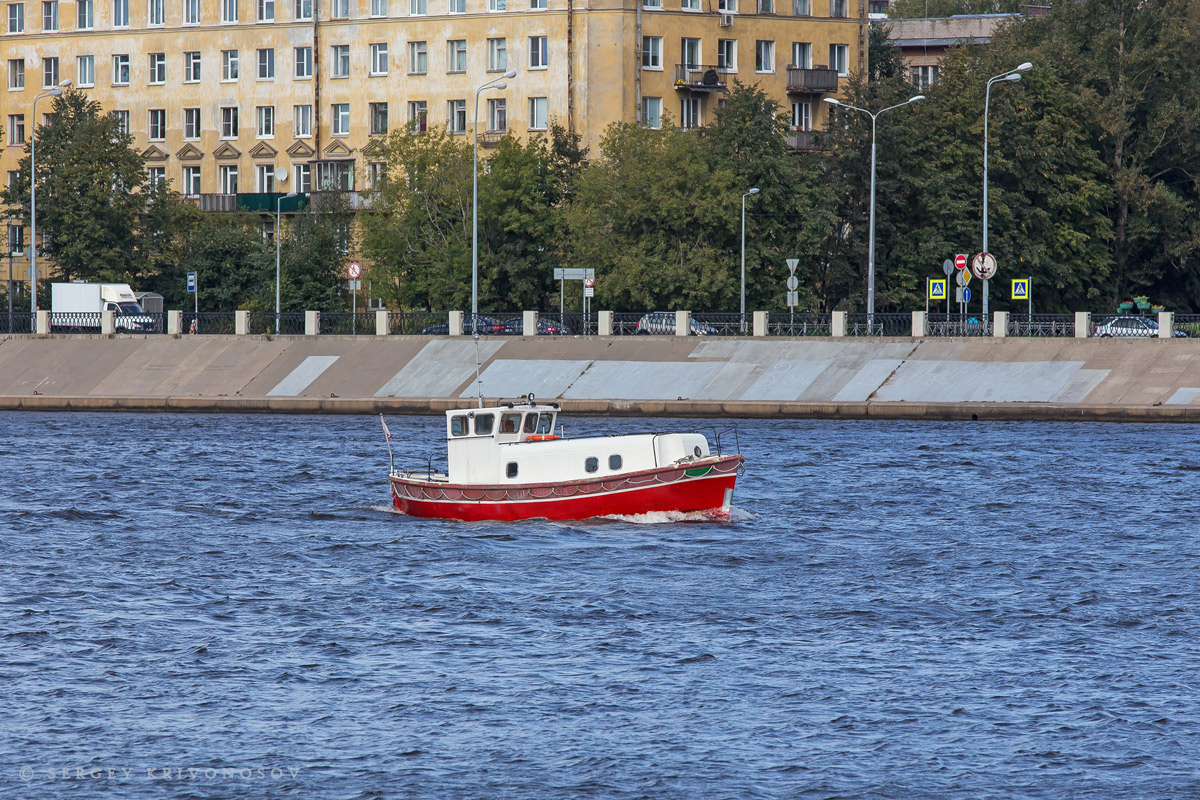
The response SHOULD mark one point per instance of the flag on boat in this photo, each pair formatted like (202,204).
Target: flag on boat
(386,432)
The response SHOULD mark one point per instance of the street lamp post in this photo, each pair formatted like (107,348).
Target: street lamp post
(496,83)
(1012,76)
(33,273)
(278,237)
(871,227)
(744,196)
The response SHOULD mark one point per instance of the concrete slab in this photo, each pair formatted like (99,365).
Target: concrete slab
(643,380)
(1183,396)
(439,370)
(785,380)
(864,383)
(958,382)
(1082,384)
(546,379)
(731,382)
(299,378)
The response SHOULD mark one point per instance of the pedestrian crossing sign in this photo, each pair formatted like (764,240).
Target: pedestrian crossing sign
(937,288)
(1020,288)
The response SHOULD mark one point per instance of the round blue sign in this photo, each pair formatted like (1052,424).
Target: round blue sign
(966,294)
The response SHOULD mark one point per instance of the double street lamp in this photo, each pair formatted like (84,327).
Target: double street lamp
(1012,76)
(496,83)
(871,235)
(744,196)
(33,273)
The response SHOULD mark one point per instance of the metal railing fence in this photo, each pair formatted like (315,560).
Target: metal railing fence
(723,324)
(956,325)
(1041,325)
(413,323)
(75,322)
(291,323)
(16,322)
(346,323)
(625,322)
(879,324)
(804,323)
(209,322)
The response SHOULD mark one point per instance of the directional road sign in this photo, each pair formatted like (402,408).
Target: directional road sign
(191,281)
(573,273)
(984,266)
(1020,289)
(966,295)
(937,288)
(960,261)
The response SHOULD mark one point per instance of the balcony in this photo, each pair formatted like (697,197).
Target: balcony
(700,77)
(801,140)
(264,202)
(491,138)
(818,80)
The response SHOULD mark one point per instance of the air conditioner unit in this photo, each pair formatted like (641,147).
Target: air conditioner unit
(727,20)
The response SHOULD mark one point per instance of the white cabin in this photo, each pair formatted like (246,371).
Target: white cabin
(516,444)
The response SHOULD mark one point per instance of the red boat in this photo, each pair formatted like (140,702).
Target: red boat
(506,463)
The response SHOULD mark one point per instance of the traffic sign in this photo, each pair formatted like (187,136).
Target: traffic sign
(792,264)
(1020,289)
(962,277)
(937,288)
(793,299)
(960,261)
(793,283)
(984,266)
(355,271)
(966,295)
(948,267)
(573,273)
(589,291)
(589,282)
(191,281)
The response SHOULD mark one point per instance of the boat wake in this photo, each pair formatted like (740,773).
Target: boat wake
(734,514)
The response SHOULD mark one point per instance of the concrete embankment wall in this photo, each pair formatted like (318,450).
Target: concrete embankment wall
(1007,378)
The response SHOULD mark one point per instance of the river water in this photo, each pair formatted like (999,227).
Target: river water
(223,606)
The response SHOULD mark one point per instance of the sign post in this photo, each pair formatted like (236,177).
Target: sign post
(585,274)
(948,268)
(355,271)
(984,267)
(1021,290)
(192,287)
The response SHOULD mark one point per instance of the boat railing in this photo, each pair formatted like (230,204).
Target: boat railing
(737,443)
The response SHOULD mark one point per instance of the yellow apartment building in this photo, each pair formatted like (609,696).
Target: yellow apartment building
(219,95)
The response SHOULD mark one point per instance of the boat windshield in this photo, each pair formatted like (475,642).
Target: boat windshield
(530,423)
(545,423)
(509,423)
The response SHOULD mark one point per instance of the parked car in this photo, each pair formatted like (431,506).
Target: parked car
(663,323)
(1145,327)
(487,326)
(545,327)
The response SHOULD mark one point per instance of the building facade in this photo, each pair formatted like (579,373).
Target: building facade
(222,95)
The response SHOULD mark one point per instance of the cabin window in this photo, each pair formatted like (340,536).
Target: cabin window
(592,464)
(509,423)
(484,424)
(530,422)
(614,462)
(458,426)
(511,469)
(545,423)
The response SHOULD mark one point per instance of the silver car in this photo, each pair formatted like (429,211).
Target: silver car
(1144,327)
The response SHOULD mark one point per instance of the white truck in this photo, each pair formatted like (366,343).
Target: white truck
(77,307)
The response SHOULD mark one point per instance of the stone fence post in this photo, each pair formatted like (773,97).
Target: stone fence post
(761,323)
(1083,324)
(1000,324)
(683,323)
(312,323)
(837,325)
(605,323)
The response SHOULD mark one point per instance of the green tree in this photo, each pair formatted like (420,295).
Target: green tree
(89,190)
(909,9)
(235,267)
(314,254)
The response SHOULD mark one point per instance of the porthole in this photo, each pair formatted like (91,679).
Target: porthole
(614,462)
(591,464)
(511,469)
(697,451)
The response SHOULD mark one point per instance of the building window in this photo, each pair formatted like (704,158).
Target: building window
(417,8)
(689,112)
(264,118)
(456,58)
(303,182)
(229,122)
(457,116)
(158,68)
(304,117)
(496,5)
(266,64)
(341,61)
(340,121)
(764,56)
(156,16)
(379,59)
(537,113)
(120,13)
(727,55)
(839,58)
(266,10)
(229,65)
(16,129)
(340,9)
(727,6)
(304,64)
(303,9)
(802,55)
(122,118)
(85,15)
(766,6)
(802,8)
(539,52)
(802,116)
(418,115)
(335,175)
(155,176)
(158,124)
(191,181)
(652,112)
(458,7)
(689,5)
(120,70)
(379,8)
(50,15)
(191,124)
(379,118)
(229,11)
(924,76)
(837,8)
(16,73)
(497,115)
(191,12)
(49,72)
(85,71)
(377,176)
(652,52)
(191,66)
(497,55)
(540,5)
(264,178)
(690,53)
(229,183)
(418,58)
(16,17)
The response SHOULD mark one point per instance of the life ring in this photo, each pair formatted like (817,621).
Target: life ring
(541,437)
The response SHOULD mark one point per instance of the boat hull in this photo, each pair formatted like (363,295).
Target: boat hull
(705,487)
